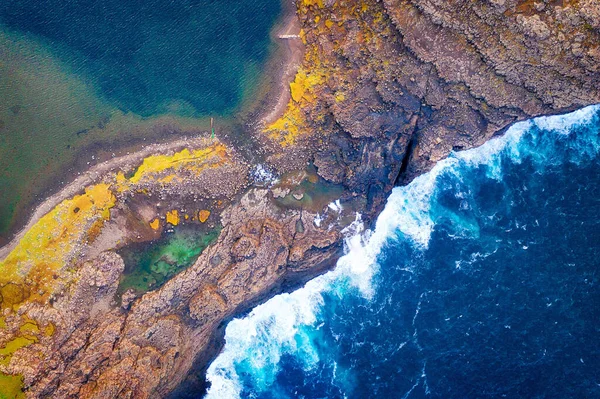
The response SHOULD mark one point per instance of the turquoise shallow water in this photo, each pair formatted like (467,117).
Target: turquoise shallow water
(82,79)
(190,57)
(480,280)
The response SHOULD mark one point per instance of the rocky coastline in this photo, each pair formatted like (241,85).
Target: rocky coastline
(385,89)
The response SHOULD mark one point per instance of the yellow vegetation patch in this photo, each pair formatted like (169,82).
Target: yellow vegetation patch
(203,215)
(49,330)
(48,246)
(155,224)
(318,3)
(30,271)
(29,328)
(303,84)
(173,217)
(291,125)
(286,129)
(194,161)
(121,181)
(12,346)
(10,386)
(303,35)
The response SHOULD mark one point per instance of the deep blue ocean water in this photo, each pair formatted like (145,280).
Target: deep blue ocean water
(189,57)
(480,280)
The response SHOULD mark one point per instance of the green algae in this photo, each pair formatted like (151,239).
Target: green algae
(11,386)
(149,265)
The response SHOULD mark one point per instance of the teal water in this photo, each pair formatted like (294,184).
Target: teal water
(188,57)
(148,265)
(82,79)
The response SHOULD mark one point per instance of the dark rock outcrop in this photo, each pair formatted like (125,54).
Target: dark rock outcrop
(400,85)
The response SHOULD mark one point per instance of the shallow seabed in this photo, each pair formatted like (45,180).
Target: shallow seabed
(83,80)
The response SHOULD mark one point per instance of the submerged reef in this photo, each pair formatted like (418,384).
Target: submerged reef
(385,89)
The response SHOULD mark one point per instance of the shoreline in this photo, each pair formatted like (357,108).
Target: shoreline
(384,115)
(279,68)
(92,176)
(294,49)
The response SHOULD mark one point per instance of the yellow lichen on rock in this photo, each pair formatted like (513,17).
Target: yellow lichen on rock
(155,224)
(286,129)
(173,217)
(10,386)
(11,347)
(37,263)
(301,87)
(49,245)
(203,215)
(318,3)
(122,183)
(193,161)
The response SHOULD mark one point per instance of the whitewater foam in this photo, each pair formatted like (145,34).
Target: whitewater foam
(256,343)
(276,327)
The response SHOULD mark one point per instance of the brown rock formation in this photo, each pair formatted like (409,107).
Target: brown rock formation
(389,88)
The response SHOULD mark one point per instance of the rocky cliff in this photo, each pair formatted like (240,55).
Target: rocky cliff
(386,89)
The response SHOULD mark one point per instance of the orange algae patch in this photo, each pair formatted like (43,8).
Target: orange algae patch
(173,217)
(195,161)
(203,215)
(49,245)
(155,224)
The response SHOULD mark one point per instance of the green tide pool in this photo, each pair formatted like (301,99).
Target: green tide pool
(149,265)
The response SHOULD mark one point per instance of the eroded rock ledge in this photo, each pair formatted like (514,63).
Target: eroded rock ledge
(387,88)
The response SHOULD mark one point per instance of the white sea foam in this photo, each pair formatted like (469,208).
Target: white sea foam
(263,176)
(278,326)
(335,206)
(563,124)
(256,343)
